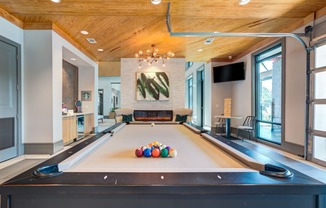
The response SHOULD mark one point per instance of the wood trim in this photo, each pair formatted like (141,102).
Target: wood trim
(109,69)
(55,28)
(11,18)
(222,60)
(320,13)
(73,42)
(38,26)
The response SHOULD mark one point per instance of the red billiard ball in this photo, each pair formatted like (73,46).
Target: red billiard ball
(139,152)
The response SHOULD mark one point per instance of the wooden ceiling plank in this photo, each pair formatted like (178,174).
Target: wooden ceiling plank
(11,18)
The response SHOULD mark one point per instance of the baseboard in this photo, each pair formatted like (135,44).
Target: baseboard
(43,148)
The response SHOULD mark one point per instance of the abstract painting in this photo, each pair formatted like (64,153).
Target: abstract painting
(153,86)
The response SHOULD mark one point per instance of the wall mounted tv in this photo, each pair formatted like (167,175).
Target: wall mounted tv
(231,72)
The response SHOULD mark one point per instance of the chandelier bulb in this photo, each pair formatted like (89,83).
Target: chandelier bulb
(152,56)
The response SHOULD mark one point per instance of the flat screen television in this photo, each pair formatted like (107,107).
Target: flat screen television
(227,73)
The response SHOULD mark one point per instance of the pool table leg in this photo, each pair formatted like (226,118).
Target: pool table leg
(4,200)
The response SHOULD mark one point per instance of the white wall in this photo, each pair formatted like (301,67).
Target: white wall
(105,84)
(295,78)
(176,69)
(220,91)
(242,94)
(208,91)
(88,66)
(85,83)
(295,67)
(11,31)
(43,84)
(38,87)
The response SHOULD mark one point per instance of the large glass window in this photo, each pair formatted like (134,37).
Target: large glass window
(189,92)
(318,106)
(268,95)
(115,96)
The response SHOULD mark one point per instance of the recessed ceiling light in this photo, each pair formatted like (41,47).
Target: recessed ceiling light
(156,1)
(73,59)
(100,49)
(200,50)
(56,1)
(243,2)
(84,32)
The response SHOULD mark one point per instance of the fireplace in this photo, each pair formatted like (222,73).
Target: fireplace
(153,115)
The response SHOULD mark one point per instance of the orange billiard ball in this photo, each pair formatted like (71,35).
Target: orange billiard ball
(155,152)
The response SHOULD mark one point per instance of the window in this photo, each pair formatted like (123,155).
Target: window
(189,64)
(318,107)
(268,94)
(189,92)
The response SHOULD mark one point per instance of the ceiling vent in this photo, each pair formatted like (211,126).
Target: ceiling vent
(91,40)
(209,41)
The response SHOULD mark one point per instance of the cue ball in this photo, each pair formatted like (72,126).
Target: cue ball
(152,124)
(173,152)
(147,152)
(139,152)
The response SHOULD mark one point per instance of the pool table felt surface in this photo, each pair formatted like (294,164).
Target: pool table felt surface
(194,153)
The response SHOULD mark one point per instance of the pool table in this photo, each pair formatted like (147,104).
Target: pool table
(208,171)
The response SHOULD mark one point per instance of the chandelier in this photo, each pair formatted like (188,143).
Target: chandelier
(152,56)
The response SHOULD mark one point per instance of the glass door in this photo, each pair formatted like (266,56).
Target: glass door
(268,92)
(318,106)
(8,101)
(200,96)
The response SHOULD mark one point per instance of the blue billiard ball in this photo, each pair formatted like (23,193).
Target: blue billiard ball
(147,152)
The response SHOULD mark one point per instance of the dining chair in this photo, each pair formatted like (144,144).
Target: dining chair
(220,125)
(247,126)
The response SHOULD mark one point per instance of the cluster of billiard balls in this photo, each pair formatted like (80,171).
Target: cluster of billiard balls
(156,149)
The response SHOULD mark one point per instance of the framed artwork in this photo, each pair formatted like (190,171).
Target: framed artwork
(152,86)
(86,95)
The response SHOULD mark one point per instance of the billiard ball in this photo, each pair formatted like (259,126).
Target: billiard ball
(155,152)
(168,148)
(173,152)
(139,152)
(147,152)
(164,153)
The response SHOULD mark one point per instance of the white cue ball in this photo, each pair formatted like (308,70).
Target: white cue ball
(152,124)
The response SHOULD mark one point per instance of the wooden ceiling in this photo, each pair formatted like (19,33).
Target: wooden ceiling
(123,27)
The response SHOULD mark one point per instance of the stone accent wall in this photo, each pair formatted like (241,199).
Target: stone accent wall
(176,69)
(69,84)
